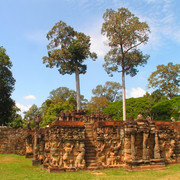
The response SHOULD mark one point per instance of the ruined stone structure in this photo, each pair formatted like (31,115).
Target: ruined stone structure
(77,141)
(12,141)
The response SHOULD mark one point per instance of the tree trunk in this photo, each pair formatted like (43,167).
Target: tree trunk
(78,89)
(124,96)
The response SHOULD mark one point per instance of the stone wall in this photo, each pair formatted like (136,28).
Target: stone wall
(12,141)
(77,141)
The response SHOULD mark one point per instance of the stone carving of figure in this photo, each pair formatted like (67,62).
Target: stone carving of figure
(170,151)
(54,154)
(66,157)
(113,154)
(80,162)
(101,157)
(29,148)
(46,158)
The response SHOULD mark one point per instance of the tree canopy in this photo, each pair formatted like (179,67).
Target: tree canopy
(97,104)
(166,79)
(111,91)
(134,107)
(30,115)
(125,33)
(16,119)
(165,110)
(67,50)
(6,88)
(53,111)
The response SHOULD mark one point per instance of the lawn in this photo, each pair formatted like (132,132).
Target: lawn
(14,167)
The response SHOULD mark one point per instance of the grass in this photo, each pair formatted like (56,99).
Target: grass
(14,167)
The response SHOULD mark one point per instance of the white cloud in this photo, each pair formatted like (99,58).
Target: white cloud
(29,97)
(98,41)
(23,107)
(136,92)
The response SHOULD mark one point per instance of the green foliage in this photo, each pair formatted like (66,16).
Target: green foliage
(166,79)
(134,106)
(111,91)
(60,99)
(30,115)
(166,109)
(53,111)
(16,119)
(163,109)
(63,94)
(6,87)
(156,96)
(67,49)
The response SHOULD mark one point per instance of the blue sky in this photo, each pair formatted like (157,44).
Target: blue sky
(25,23)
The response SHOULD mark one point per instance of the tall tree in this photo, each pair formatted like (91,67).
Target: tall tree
(166,79)
(6,87)
(111,91)
(125,33)
(68,50)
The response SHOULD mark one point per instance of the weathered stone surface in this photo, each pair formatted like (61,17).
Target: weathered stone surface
(76,141)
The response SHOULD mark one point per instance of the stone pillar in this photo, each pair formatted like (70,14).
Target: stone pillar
(127,147)
(156,147)
(133,148)
(145,146)
(35,161)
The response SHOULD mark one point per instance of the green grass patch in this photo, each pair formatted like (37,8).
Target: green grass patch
(14,167)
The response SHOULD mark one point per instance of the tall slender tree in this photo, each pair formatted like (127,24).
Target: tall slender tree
(67,50)
(6,87)
(125,33)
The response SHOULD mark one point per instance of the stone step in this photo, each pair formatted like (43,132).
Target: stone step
(93,168)
(90,150)
(88,127)
(91,164)
(90,158)
(89,133)
(88,123)
(89,142)
(91,153)
(89,136)
(90,146)
(89,139)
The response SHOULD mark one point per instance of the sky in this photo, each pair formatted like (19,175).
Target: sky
(25,23)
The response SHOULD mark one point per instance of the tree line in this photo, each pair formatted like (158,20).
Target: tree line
(68,50)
